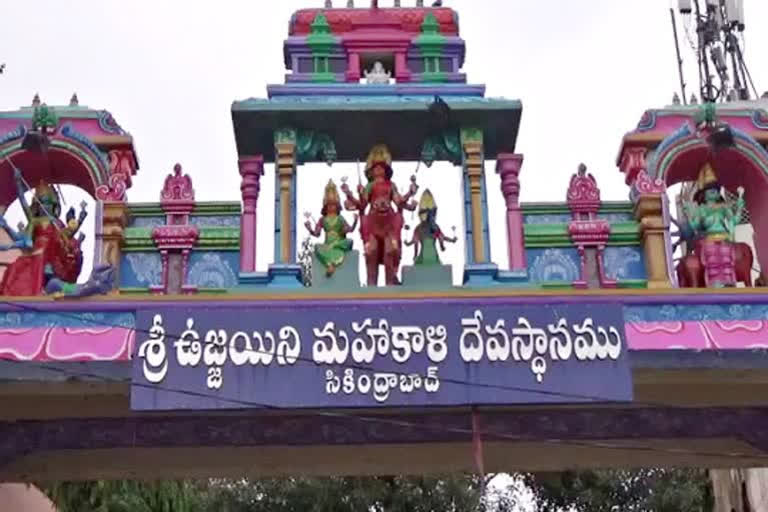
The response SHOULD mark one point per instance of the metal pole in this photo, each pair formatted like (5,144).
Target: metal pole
(679,59)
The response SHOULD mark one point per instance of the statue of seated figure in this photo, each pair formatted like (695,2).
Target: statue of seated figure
(378,75)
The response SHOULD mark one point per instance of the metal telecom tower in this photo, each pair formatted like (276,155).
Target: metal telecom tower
(715,31)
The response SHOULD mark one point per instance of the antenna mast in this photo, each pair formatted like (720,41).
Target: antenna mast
(679,58)
(723,71)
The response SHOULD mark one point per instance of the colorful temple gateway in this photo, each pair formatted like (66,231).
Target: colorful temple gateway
(620,333)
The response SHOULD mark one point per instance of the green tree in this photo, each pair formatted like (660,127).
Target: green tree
(645,490)
(127,496)
(463,493)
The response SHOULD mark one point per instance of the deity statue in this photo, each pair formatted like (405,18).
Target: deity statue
(51,257)
(381,225)
(428,234)
(378,75)
(332,252)
(713,219)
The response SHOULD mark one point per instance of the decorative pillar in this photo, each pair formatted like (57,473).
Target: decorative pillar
(285,155)
(114,219)
(402,73)
(251,170)
(588,233)
(474,177)
(353,68)
(648,196)
(176,239)
(114,214)
(479,270)
(285,271)
(508,165)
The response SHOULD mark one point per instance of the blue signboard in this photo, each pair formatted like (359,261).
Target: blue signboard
(378,355)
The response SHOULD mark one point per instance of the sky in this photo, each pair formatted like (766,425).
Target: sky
(168,71)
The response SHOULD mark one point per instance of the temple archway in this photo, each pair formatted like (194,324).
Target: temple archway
(741,163)
(64,163)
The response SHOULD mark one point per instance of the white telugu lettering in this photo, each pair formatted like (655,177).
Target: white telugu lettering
(471,340)
(188,348)
(153,352)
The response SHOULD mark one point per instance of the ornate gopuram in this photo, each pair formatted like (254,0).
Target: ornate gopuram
(619,334)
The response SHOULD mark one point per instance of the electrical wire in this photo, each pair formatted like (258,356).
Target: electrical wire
(407,424)
(520,389)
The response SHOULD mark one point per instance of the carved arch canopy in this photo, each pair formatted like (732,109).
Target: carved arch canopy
(67,161)
(681,156)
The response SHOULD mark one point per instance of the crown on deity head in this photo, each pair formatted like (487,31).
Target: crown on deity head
(44,189)
(707,177)
(331,194)
(379,155)
(706,180)
(426,204)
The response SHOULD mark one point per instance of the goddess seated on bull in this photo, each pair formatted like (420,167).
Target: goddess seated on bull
(714,258)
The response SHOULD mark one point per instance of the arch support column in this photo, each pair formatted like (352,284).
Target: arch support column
(479,270)
(285,272)
(649,197)
(114,218)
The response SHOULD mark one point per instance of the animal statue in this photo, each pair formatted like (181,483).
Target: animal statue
(332,252)
(381,225)
(690,270)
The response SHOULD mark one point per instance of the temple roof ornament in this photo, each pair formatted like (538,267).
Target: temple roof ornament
(583,193)
(178,187)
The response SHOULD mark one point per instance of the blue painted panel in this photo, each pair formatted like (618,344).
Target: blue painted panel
(548,218)
(616,217)
(147,222)
(624,263)
(690,313)
(140,269)
(32,319)
(213,269)
(215,221)
(553,265)
(277,216)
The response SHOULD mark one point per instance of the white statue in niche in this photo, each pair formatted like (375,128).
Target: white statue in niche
(378,75)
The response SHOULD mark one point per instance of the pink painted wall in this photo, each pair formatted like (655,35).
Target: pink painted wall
(20,498)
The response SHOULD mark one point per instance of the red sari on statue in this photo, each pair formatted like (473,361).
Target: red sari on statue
(27,275)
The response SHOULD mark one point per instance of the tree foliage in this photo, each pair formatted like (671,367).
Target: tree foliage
(651,490)
(462,493)
(645,490)
(126,496)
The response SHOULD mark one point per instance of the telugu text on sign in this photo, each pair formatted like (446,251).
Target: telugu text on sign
(379,355)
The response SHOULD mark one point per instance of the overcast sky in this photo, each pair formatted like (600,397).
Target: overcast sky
(584,70)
